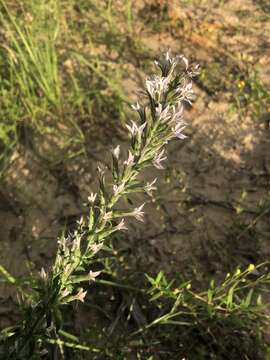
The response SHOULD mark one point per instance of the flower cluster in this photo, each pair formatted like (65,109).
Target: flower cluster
(160,119)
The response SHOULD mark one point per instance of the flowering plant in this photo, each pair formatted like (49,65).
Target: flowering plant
(160,119)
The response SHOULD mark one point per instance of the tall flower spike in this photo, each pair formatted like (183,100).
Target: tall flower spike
(161,115)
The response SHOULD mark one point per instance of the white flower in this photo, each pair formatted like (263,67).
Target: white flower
(107,216)
(121,225)
(43,274)
(65,241)
(167,63)
(186,92)
(117,189)
(66,292)
(158,159)
(149,187)
(135,129)
(185,60)
(140,110)
(168,56)
(157,86)
(130,160)
(81,295)
(177,113)
(93,274)
(92,198)
(132,129)
(116,152)
(173,60)
(165,114)
(136,107)
(138,213)
(196,70)
(141,128)
(80,221)
(101,169)
(95,248)
(76,241)
(178,131)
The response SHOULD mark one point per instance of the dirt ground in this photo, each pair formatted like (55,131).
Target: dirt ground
(211,210)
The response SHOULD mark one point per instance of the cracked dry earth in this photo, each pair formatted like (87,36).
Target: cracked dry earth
(211,210)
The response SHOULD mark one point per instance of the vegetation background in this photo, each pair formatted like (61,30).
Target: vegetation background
(68,72)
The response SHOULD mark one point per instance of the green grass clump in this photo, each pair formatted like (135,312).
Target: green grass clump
(53,78)
(252,95)
(30,59)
